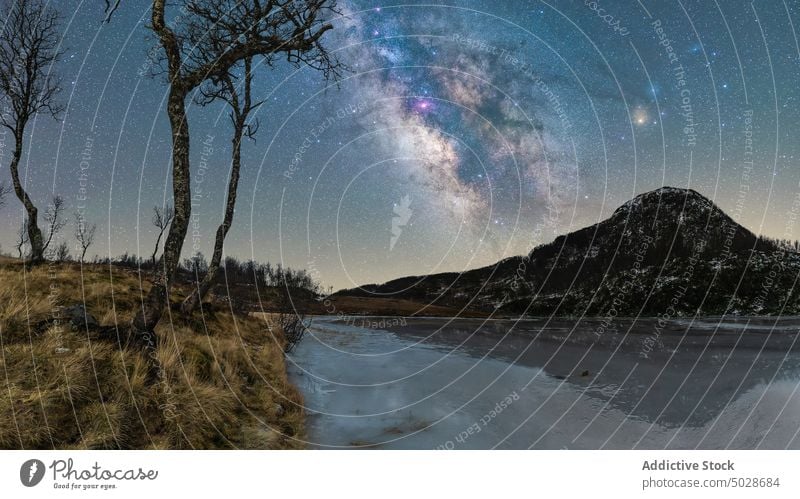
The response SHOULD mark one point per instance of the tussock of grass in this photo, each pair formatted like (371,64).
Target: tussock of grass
(220,382)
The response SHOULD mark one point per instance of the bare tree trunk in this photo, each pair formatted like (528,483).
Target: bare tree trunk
(34,233)
(193,301)
(155,251)
(153,305)
(147,317)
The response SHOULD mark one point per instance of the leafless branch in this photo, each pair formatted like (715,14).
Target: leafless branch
(84,234)
(214,36)
(28,49)
(162,217)
(22,239)
(54,219)
(111,7)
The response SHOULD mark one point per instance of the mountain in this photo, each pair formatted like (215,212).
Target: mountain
(670,252)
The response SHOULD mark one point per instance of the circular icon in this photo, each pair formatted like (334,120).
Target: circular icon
(31,472)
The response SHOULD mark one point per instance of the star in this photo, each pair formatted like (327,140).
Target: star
(640,116)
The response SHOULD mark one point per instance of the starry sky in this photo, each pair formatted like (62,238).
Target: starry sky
(461,133)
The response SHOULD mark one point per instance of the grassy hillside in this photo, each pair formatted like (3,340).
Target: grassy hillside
(221,380)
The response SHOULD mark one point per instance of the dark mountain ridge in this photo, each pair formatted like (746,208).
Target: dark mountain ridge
(669,252)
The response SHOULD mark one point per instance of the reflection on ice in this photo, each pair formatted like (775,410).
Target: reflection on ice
(435,383)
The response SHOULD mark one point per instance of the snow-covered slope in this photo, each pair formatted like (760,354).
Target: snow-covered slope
(669,252)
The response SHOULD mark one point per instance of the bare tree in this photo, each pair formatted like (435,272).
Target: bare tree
(55,220)
(84,234)
(162,217)
(197,264)
(61,252)
(292,322)
(28,50)
(294,326)
(212,37)
(241,103)
(22,238)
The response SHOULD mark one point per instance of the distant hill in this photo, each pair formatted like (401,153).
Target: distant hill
(669,251)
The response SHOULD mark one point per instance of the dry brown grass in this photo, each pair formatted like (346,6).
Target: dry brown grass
(220,380)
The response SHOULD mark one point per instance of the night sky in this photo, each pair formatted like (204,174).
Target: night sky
(462,133)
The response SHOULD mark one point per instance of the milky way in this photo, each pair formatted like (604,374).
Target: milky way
(459,134)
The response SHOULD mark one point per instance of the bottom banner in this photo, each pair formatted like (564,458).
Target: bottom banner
(400,474)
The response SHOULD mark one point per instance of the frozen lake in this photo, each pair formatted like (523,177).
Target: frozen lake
(557,384)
